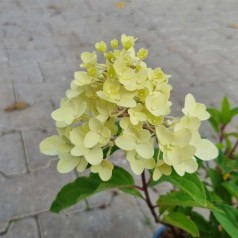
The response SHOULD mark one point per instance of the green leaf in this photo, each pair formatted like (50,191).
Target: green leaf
(183,222)
(178,198)
(215,177)
(203,225)
(225,111)
(189,183)
(228,219)
(215,119)
(234,111)
(232,187)
(84,187)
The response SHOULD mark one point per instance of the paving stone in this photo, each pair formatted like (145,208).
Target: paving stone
(7,95)
(53,71)
(120,219)
(230,70)
(32,139)
(21,56)
(3,56)
(175,65)
(28,73)
(32,192)
(213,44)
(25,228)
(207,73)
(34,116)
(73,53)
(183,34)
(204,58)
(12,155)
(29,41)
(37,92)
(212,98)
(16,31)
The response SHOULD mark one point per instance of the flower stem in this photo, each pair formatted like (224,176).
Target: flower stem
(233,149)
(147,197)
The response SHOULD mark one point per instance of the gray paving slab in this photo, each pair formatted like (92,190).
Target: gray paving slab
(32,138)
(35,116)
(12,154)
(29,194)
(3,56)
(120,220)
(7,95)
(30,72)
(25,228)
(38,92)
(19,57)
(53,71)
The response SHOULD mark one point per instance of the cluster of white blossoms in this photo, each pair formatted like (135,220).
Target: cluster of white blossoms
(123,103)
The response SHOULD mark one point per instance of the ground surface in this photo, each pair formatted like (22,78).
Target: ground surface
(40,46)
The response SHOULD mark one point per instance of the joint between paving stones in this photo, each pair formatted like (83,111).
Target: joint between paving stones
(42,72)
(36,218)
(25,154)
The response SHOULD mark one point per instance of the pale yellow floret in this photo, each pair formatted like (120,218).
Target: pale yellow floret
(161,168)
(194,109)
(104,169)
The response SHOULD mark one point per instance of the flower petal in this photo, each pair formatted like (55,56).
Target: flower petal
(156,174)
(145,150)
(126,142)
(53,145)
(164,135)
(67,163)
(206,150)
(91,139)
(82,165)
(94,156)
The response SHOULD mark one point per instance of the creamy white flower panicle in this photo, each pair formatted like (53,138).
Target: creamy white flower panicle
(123,103)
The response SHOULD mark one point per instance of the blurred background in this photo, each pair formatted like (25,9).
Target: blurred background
(40,46)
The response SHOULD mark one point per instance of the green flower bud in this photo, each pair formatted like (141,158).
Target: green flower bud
(109,56)
(92,71)
(114,43)
(101,47)
(127,41)
(142,53)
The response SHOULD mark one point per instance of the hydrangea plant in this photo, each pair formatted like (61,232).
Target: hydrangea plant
(124,104)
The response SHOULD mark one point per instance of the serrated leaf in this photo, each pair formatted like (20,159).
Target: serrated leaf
(84,187)
(183,222)
(189,183)
(180,198)
(228,219)
(177,198)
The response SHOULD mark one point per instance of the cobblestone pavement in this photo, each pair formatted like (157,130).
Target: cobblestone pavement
(40,46)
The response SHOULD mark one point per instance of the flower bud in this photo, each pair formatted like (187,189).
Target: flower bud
(114,43)
(127,41)
(142,53)
(101,47)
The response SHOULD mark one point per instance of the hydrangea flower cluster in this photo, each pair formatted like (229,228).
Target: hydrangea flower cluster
(124,103)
